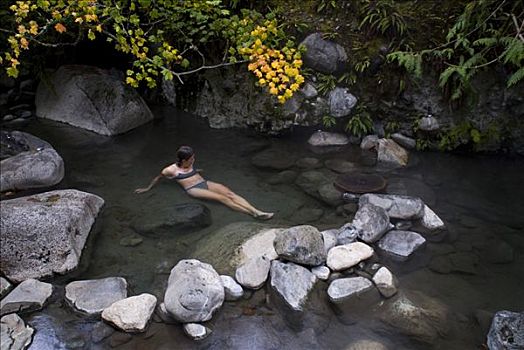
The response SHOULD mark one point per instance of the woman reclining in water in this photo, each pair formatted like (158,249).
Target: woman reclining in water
(194,184)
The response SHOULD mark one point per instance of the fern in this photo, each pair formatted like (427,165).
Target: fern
(516,77)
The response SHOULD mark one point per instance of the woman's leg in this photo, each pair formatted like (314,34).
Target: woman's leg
(207,194)
(223,190)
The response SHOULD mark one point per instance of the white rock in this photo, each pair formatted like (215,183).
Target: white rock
(330,238)
(345,256)
(93,296)
(196,331)
(323,138)
(232,289)
(29,295)
(344,288)
(131,314)
(430,220)
(5,287)
(253,274)
(14,334)
(401,243)
(259,245)
(385,282)
(322,272)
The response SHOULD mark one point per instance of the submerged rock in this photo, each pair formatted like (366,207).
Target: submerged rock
(180,217)
(45,233)
(14,334)
(29,295)
(131,314)
(301,244)
(385,282)
(194,291)
(343,289)
(292,282)
(273,159)
(91,98)
(93,296)
(507,331)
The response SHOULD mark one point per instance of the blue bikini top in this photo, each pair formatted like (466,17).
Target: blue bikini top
(185,176)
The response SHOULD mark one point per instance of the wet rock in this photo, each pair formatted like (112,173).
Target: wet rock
(430,220)
(388,151)
(119,338)
(461,262)
(283,177)
(292,282)
(416,315)
(194,291)
(401,243)
(38,166)
(14,334)
(403,225)
(500,252)
(164,315)
(428,123)
(385,282)
(186,216)
(507,331)
(404,141)
(196,331)
(253,273)
(29,295)
(484,318)
(308,91)
(310,181)
(306,215)
(323,55)
(5,287)
(347,234)
(330,195)
(45,233)
(259,245)
(321,272)
(273,159)
(371,222)
(340,165)
(131,240)
(345,256)
(324,138)
(341,102)
(301,244)
(233,291)
(330,238)
(350,208)
(369,142)
(397,207)
(412,188)
(308,163)
(91,98)
(131,314)
(101,331)
(91,297)
(343,289)
(367,345)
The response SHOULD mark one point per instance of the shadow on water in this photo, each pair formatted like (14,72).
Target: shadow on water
(480,198)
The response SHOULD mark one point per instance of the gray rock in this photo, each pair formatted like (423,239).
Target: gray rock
(253,273)
(428,123)
(283,177)
(347,234)
(180,217)
(343,289)
(330,238)
(259,245)
(324,138)
(345,256)
(131,240)
(306,215)
(196,331)
(461,262)
(321,272)
(131,314)
(292,282)
(308,91)
(385,281)
(507,331)
(91,297)
(5,287)
(301,244)
(401,243)
(101,331)
(371,221)
(341,102)
(308,163)
(29,295)
(164,315)
(500,252)
(232,289)
(91,98)
(44,233)
(330,195)
(194,291)
(340,165)
(430,220)
(367,345)
(14,334)
(397,207)
(404,141)
(323,55)
(391,153)
(416,315)
(37,166)
(273,159)
(369,142)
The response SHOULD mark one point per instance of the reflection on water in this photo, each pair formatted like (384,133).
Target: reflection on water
(481,199)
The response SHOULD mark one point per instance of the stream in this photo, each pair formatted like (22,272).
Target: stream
(479,197)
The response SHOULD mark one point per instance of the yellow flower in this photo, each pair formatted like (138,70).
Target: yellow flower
(273,91)
(59,27)
(294,87)
(262,81)
(24,44)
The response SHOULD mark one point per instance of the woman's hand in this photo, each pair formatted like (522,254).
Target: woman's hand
(141,190)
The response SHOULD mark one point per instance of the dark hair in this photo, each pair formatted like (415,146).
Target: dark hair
(183,153)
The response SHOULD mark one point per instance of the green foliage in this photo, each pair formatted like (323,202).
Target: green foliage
(325,4)
(465,133)
(326,83)
(382,16)
(360,123)
(329,121)
(391,127)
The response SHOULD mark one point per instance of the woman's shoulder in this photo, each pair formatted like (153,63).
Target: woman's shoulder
(170,170)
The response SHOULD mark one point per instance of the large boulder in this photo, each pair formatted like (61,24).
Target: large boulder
(29,295)
(341,102)
(397,207)
(131,314)
(371,222)
(323,55)
(91,98)
(14,334)
(292,282)
(507,331)
(388,151)
(32,163)
(194,291)
(45,233)
(302,245)
(91,297)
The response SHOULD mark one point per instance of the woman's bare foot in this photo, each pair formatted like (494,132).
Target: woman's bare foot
(263,216)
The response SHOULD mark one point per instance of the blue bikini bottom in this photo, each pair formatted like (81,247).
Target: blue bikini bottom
(202,185)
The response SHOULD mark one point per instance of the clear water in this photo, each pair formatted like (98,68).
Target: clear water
(480,198)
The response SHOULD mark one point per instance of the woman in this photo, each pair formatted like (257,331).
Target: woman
(182,171)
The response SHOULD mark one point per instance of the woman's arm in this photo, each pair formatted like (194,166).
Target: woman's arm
(153,182)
